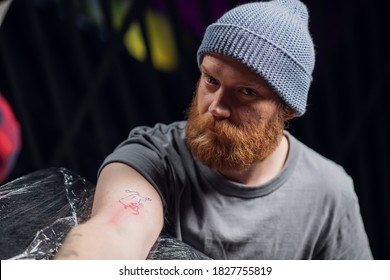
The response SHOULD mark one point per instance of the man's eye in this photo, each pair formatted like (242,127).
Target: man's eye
(248,91)
(211,80)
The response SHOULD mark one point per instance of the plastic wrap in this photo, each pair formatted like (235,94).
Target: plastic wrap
(39,209)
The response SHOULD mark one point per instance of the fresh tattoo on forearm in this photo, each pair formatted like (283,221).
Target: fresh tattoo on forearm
(133,201)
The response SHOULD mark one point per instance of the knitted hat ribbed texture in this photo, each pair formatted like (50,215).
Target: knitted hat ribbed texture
(273,39)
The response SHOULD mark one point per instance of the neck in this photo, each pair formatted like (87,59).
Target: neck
(263,171)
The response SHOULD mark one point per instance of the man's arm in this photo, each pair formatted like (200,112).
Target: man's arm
(126,220)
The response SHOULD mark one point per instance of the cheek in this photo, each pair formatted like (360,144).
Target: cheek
(248,116)
(255,114)
(268,109)
(203,103)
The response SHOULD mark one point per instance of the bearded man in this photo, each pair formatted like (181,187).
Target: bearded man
(231,181)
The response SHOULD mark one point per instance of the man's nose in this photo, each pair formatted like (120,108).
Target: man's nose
(219,106)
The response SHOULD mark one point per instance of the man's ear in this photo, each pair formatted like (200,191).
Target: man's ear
(288,112)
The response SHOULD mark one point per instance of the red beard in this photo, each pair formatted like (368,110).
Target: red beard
(222,145)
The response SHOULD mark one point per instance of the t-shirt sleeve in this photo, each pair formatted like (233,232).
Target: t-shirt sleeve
(347,239)
(153,153)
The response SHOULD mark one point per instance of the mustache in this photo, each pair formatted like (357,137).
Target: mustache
(224,128)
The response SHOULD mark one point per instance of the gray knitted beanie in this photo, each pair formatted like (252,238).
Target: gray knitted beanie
(272,38)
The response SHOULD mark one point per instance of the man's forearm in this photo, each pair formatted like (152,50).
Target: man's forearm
(70,248)
(88,241)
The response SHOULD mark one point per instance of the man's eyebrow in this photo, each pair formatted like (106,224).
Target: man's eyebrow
(212,70)
(204,68)
(249,84)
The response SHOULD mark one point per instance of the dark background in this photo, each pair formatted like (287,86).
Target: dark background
(77,90)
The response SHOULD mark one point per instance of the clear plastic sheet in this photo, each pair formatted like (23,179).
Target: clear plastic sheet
(39,209)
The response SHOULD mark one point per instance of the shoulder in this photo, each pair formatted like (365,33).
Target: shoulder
(152,150)
(160,130)
(317,164)
(161,140)
(323,186)
(152,143)
(322,174)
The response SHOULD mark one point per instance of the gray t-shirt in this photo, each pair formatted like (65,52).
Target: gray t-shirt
(309,211)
